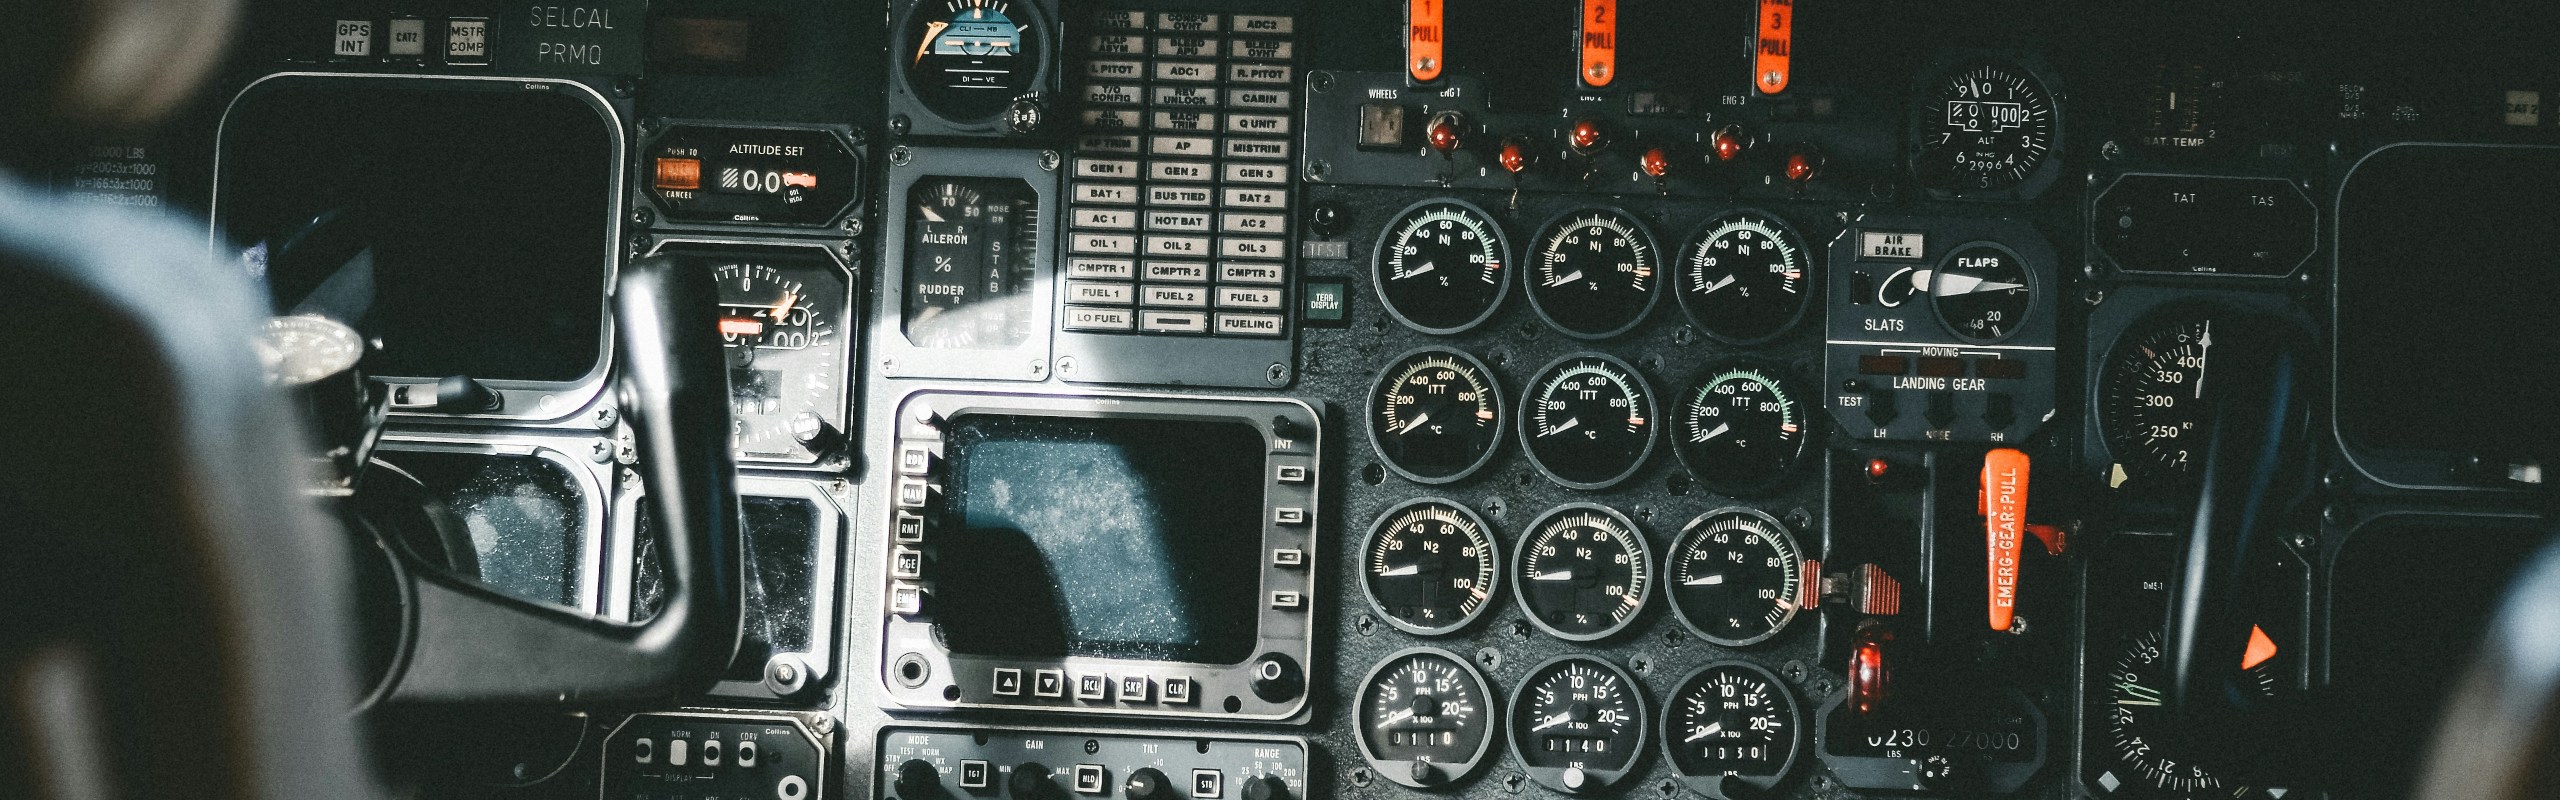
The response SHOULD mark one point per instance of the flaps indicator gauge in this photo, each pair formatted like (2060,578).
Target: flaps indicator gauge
(1732,719)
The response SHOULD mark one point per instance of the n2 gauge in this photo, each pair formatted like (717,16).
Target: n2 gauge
(1585,572)
(1577,724)
(1736,576)
(1430,566)
(1425,717)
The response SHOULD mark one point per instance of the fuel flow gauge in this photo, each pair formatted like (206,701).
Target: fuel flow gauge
(1426,718)
(1577,724)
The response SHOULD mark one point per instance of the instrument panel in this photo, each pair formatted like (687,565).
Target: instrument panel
(1299,398)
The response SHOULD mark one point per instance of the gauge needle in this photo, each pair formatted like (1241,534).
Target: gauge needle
(1416,423)
(1408,569)
(1417,272)
(1569,424)
(2207,343)
(1566,278)
(1397,717)
(1721,429)
(1710,730)
(1712,287)
(1950,285)
(1553,576)
(1553,721)
(783,308)
(1707,580)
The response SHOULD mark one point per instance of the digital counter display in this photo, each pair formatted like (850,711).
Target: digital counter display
(1111,538)
(769,176)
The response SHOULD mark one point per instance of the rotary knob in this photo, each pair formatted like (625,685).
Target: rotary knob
(1148,783)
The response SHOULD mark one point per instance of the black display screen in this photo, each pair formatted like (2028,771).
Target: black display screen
(2442,299)
(517,524)
(1112,538)
(781,579)
(485,212)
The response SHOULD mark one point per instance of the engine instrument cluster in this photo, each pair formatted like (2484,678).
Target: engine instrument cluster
(1274,399)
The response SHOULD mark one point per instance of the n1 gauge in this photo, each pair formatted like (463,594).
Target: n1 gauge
(1577,724)
(1593,273)
(1435,415)
(1425,717)
(1439,266)
(1430,566)
(1732,720)
(1743,277)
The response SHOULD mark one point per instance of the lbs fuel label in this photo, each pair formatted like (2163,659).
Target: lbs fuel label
(588,38)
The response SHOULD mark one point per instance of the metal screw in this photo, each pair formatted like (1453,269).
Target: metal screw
(900,156)
(2303,541)
(1360,778)
(601,453)
(1367,625)
(625,87)
(1514,781)
(2095,296)
(1320,82)
(643,217)
(648,126)
(899,125)
(1049,161)
(2018,626)
(1278,374)
(1319,170)
(2110,150)
(1489,658)
(1684,336)
(604,418)
(1067,365)
(1799,519)
(1039,368)
(853,226)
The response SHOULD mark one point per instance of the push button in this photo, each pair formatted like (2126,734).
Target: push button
(974,774)
(1008,682)
(1208,784)
(1093,687)
(1136,689)
(1177,691)
(1049,683)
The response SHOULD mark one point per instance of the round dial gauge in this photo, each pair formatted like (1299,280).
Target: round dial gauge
(1426,718)
(1439,266)
(970,266)
(1732,719)
(2151,396)
(968,59)
(778,323)
(1577,723)
(1588,421)
(1982,292)
(1430,566)
(1584,572)
(2155,761)
(1736,576)
(1592,276)
(1740,431)
(1982,127)
(301,350)
(1743,277)
(1435,415)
